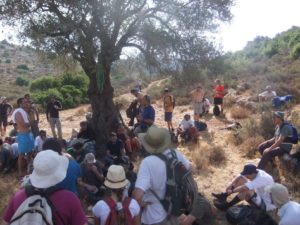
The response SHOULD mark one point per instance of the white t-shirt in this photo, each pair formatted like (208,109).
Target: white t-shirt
(289,213)
(186,124)
(14,149)
(259,183)
(152,176)
(38,143)
(101,210)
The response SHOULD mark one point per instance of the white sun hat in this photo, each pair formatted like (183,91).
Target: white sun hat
(49,168)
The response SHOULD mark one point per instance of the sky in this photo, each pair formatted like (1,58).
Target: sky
(251,18)
(258,18)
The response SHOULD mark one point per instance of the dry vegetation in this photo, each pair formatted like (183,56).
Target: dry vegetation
(238,112)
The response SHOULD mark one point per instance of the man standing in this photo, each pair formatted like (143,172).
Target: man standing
(52,113)
(5,110)
(33,116)
(169,104)
(25,138)
(279,144)
(249,186)
(152,179)
(197,100)
(219,94)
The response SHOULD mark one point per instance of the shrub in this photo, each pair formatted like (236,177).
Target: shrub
(8,61)
(250,146)
(44,84)
(217,155)
(229,101)
(296,51)
(238,112)
(43,97)
(22,67)
(22,81)
(266,125)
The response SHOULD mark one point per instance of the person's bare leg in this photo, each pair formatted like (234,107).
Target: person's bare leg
(20,164)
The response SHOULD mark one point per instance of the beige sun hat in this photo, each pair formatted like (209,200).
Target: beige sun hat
(279,193)
(156,140)
(49,168)
(116,177)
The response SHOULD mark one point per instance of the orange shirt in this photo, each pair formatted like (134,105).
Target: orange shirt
(219,91)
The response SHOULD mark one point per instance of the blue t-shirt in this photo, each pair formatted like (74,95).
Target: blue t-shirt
(70,180)
(148,113)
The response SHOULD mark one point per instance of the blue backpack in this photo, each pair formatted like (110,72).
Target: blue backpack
(295,137)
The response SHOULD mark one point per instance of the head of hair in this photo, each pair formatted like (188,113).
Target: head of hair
(54,144)
(19,101)
(42,132)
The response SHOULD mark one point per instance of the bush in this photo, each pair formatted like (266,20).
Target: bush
(250,146)
(44,84)
(43,97)
(217,155)
(296,51)
(8,61)
(22,81)
(22,67)
(238,112)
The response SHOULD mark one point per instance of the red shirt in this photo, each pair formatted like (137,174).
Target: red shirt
(66,203)
(219,91)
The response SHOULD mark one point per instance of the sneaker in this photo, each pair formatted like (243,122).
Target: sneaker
(220,196)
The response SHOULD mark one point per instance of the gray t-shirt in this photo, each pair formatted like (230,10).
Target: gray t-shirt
(285,131)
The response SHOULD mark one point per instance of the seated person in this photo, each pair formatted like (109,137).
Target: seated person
(146,117)
(39,140)
(7,158)
(131,176)
(86,132)
(114,150)
(77,151)
(131,143)
(187,129)
(279,144)
(250,186)
(267,95)
(91,180)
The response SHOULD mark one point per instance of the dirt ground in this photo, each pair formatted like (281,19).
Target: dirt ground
(212,178)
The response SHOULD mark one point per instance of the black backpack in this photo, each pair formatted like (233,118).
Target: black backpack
(181,189)
(216,110)
(248,215)
(132,110)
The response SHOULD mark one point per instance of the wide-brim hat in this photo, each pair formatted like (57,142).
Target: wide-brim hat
(156,140)
(49,169)
(115,178)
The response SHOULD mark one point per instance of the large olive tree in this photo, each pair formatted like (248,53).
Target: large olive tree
(95,32)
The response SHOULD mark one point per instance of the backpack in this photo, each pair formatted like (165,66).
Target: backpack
(112,218)
(181,189)
(216,110)
(201,126)
(295,137)
(247,215)
(36,209)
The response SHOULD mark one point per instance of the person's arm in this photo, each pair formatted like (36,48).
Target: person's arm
(277,143)
(238,189)
(36,113)
(58,104)
(138,194)
(47,111)
(97,173)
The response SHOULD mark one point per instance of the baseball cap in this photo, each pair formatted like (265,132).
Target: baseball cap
(249,169)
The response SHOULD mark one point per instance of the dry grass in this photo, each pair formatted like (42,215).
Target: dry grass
(229,101)
(238,112)
(80,112)
(250,146)
(234,138)
(204,155)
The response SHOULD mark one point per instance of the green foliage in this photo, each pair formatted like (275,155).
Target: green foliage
(7,61)
(22,67)
(271,48)
(70,89)
(22,81)
(296,51)
(44,83)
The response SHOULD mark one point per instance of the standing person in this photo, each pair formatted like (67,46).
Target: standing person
(219,94)
(33,116)
(140,84)
(152,179)
(25,138)
(279,144)
(288,211)
(5,110)
(50,168)
(127,208)
(52,113)
(169,105)
(197,100)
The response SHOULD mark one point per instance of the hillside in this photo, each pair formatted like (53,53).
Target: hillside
(20,61)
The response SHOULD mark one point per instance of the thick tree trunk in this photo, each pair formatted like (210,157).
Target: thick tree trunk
(105,113)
